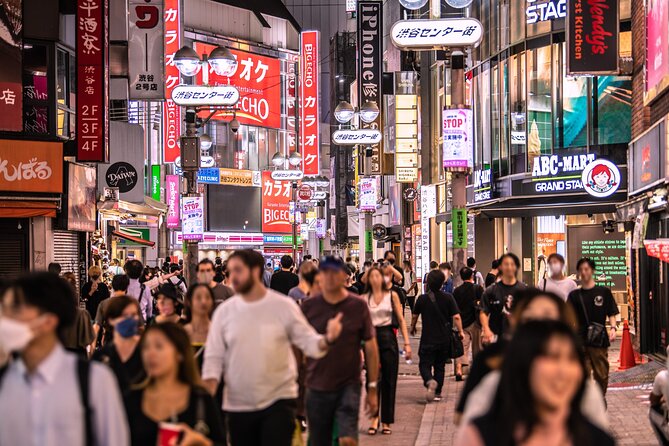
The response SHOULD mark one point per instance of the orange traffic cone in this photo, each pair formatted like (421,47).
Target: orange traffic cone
(627,360)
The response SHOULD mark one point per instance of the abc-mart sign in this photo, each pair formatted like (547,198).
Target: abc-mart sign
(354,137)
(434,34)
(194,95)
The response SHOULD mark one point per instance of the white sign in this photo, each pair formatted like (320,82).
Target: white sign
(428,209)
(368,194)
(228,238)
(458,134)
(432,34)
(146,49)
(193,95)
(319,195)
(288,175)
(353,137)
(542,10)
(351,5)
(601,178)
(192,218)
(205,161)
(406,174)
(518,138)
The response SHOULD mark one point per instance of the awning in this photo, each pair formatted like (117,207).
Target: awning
(565,205)
(134,209)
(26,209)
(133,239)
(628,210)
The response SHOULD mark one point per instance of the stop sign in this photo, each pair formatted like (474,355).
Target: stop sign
(304,193)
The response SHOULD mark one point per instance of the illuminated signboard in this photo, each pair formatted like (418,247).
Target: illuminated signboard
(482,185)
(543,11)
(354,137)
(429,34)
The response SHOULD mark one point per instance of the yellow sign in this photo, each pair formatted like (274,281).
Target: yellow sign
(236,177)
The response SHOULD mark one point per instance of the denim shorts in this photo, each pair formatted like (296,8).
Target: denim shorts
(325,408)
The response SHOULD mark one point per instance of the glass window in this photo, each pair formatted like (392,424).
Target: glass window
(494,26)
(65,93)
(504,24)
(504,118)
(518,115)
(35,88)
(614,110)
(494,108)
(571,117)
(252,147)
(485,21)
(539,137)
(537,28)
(517,21)
(483,135)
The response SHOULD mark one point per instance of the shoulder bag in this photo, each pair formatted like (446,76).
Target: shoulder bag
(596,335)
(455,343)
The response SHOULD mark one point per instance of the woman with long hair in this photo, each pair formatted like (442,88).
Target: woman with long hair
(386,312)
(199,306)
(172,392)
(121,340)
(539,397)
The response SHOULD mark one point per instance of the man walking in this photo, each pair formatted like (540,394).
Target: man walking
(478,277)
(142,291)
(497,299)
(440,314)
(283,280)
(447,270)
(468,298)
(205,274)
(593,305)
(249,344)
(333,382)
(556,282)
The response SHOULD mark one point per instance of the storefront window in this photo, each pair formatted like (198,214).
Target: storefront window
(518,114)
(517,21)
(571,117)
(484,115)
(485,21)
(35,88)
(614,110)
(494,26)
(65,93)
(504,110)
(539,137)
(495,127)
(503,24)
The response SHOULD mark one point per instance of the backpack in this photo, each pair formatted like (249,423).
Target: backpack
(83,378)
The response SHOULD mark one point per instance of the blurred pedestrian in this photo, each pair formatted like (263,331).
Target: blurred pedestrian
(478,277)
(284,280)
(659,413)
(447,270)
(307,275)
(199,307)
(48,396)
(172,396)
(94,290)
(410,284)
(540,393)
(80,335)
(440,316)
(54,268)
(169,305)
(492,275)
(555,280)
(387,316)
(142,291)
(179,281)
(205,275)
(333,382)
(468,298)
(398,276)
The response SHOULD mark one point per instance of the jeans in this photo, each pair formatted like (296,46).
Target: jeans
(323,408)
(273,426)
(432,364)
(597,363)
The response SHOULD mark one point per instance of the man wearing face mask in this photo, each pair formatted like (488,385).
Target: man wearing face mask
(206,274)
(94,291)
(49,396)
(556,282)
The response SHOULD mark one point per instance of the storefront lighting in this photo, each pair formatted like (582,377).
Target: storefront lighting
(344,112)
(278,159)
(222,61)
(295,159)
(369,112)
(413,4)
(205,142)
(187,61)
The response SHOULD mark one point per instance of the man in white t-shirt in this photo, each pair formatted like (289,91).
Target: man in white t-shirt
(556,282)
(658,406)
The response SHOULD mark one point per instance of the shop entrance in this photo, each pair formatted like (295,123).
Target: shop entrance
(654,293)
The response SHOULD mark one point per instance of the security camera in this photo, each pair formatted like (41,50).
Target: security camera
(234,125)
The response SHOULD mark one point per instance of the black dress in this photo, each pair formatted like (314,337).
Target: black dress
(201,415)
(127,373)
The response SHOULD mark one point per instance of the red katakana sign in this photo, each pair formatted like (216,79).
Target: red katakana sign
(171,111)
(276,196)
(309,122)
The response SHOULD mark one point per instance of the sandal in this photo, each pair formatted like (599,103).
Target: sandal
(386,431)
(372,431)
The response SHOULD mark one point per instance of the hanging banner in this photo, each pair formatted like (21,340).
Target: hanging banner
(370,70)
(657,49)
(92,80)
(275,204)
(459,228)
(192,218)
(458,131)
(146,49)
(592,37)
(309,121)
(258,79)
(171,111)
(436,34)
(172,195)
(428,209)
(11,85)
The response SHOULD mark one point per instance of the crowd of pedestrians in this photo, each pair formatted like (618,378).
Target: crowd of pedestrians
(248,356)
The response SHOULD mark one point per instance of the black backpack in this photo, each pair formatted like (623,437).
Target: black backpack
(83,378)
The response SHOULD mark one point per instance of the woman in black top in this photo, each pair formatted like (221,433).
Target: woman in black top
(121,352)
(172,393)
(94,291)
(539,396)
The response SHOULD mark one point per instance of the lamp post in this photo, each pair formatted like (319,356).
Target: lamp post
(189,64)
(279,160)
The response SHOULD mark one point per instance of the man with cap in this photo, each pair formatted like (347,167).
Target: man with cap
(333,382)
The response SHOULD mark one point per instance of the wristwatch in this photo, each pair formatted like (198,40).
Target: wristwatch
(372,385)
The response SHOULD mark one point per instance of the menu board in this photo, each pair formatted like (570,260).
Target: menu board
(607,250)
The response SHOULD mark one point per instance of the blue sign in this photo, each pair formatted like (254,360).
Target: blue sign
(273,238)
(209,176)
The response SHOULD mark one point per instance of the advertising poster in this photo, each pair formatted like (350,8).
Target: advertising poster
(275,204)
(657,48)
(192,218)
(309,106)
(368,194)
(607,250)
(171,112)
(11,91)
(81,198)
(146,49)
(172,195)
(258,79)
(458,134)
(155,182)
(592,27)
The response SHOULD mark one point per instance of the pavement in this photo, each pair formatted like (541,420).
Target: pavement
(420,424)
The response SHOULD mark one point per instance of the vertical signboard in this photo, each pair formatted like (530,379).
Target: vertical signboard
(146,49)
(459,228)
(92,86)
(172,195)
(428,209)
(657,48)
(275,204)
(458,131)
(11,88)
(592,42)
(291,102)
(406,127)
(171,112)
(155,182)
(368,194)
(309,121)
(192,218)
(370,69)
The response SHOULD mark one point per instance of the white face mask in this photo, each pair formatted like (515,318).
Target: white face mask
(14,335)
(555,269)
(205,278)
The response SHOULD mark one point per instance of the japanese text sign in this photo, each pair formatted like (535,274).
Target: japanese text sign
(172,194)
(309,92)
(92,80)
(220,95)
(171,111)
(353,137)
(459,228)
(458,131)
(192,218)
(429,34)
(258,79)
(11,85)
(276,196)
(31,166)
(368,194)
(146,49)
(657,49)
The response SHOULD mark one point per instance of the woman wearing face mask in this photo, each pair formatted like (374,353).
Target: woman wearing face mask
(168,304)
(121,353)
(540,394)
(94,291)
(172,393)
(557,282)
(386,312)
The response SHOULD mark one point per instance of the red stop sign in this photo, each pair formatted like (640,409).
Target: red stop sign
(304,193)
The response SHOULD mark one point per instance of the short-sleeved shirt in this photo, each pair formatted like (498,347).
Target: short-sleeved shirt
(435,331)
(598,302)
(660,383)
(283,281)
(496,303)
(342,365)
(560,287)
(468,297)
(222,293)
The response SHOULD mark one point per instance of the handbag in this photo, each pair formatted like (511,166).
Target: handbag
(596,335)
(456,348)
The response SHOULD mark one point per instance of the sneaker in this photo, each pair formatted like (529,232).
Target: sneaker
(431,389)
(437,398)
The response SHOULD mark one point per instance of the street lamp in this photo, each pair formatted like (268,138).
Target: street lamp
(368,112)
(221,60)
(279,160)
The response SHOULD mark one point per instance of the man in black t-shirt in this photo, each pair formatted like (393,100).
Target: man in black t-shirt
(282,281)
(440,313)
(594,303)
(468,298)
(497,299)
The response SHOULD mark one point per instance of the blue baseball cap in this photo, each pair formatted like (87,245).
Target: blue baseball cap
(332,263)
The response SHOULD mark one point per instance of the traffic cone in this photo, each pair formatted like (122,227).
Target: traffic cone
(627,360)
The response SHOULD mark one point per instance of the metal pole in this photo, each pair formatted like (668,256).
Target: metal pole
(459,179)
(294,198)
(191,260)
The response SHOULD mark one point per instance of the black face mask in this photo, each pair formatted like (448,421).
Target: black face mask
(95,277)
(391,261)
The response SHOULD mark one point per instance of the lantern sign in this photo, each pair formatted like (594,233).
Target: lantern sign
(194,95)
(440,33)
(355,137)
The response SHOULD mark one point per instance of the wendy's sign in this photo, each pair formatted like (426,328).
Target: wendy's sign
(592,42)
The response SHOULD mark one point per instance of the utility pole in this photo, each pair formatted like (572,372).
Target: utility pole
(190,164)
(294,198)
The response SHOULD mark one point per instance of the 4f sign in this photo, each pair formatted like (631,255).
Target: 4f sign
(193,95)
(431,34)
